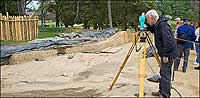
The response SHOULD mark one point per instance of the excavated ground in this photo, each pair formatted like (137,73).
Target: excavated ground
(89,74)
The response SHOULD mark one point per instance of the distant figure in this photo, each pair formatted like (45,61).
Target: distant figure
(178,22)
(186,33)
(193,27)
(197,46)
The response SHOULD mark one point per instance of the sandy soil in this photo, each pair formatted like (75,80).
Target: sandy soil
(88,74)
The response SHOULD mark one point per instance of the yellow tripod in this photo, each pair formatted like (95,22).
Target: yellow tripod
(142,37)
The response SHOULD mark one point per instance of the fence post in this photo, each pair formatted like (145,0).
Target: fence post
(2,33)
(6,28)
(16,29)
(22,24)
(19,23)
(34,27)
(10,27)
(13,28)
(27,29)
(37,27)
(29,19)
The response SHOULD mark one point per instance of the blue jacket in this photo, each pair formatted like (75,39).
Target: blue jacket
(186,29)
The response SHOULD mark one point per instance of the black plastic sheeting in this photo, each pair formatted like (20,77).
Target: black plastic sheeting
(8,50)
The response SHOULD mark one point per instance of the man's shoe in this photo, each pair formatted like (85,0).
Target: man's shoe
(155,78)
(184,70)
(175,69)
(197,68)
(156,93)
(195,63)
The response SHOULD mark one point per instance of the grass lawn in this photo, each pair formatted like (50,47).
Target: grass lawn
(12,42)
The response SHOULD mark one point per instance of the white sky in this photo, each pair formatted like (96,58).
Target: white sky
(33,4)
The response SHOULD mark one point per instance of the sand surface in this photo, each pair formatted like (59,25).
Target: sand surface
(89,74)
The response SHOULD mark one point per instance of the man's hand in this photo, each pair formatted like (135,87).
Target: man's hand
(165,59)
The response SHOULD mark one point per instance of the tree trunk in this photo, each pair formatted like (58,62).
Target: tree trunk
(124,23)
(57,18)
(95,25)
(85,24)
(124,18)
(42,14)
(109,14)
(21,7)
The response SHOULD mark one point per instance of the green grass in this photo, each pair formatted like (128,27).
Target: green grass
(49,31)
(12,42)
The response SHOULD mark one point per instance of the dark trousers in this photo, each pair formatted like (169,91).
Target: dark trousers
(165,82)
(186,52)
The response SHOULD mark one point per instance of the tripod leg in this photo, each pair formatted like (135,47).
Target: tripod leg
(142,70)
(124,62)
(154,50)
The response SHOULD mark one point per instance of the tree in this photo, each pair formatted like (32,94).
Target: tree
(21,6)
(10,6)
(56,6)
(182,9)
(68,12)
(127,12)
(109,14)
(43,9)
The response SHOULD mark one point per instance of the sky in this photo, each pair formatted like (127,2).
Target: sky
(33,4)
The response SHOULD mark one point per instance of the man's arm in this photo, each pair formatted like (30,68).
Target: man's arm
(167,39)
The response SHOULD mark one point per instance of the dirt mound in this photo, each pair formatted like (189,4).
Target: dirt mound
(116,40)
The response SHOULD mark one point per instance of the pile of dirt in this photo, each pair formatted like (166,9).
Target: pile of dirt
(116,40)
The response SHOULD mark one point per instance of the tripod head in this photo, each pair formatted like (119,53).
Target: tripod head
(143,36)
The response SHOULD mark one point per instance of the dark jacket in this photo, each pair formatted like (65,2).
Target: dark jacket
(164,38)
(186,29)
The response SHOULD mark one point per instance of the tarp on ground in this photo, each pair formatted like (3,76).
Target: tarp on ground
(8,50)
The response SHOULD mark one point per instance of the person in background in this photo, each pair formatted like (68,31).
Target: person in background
(197,46)
(187,33)
(178,22)
(193,27)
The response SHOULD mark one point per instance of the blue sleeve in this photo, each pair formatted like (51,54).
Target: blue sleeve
(193,37)
(179,30)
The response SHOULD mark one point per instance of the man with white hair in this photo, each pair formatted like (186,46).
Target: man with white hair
(166,45)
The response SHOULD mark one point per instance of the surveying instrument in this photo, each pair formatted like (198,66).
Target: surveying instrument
(142,37)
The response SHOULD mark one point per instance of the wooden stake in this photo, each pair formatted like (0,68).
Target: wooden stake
(12,28)
(27,28)
(2,28)
(22,28)
(16,29)
(30,32)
